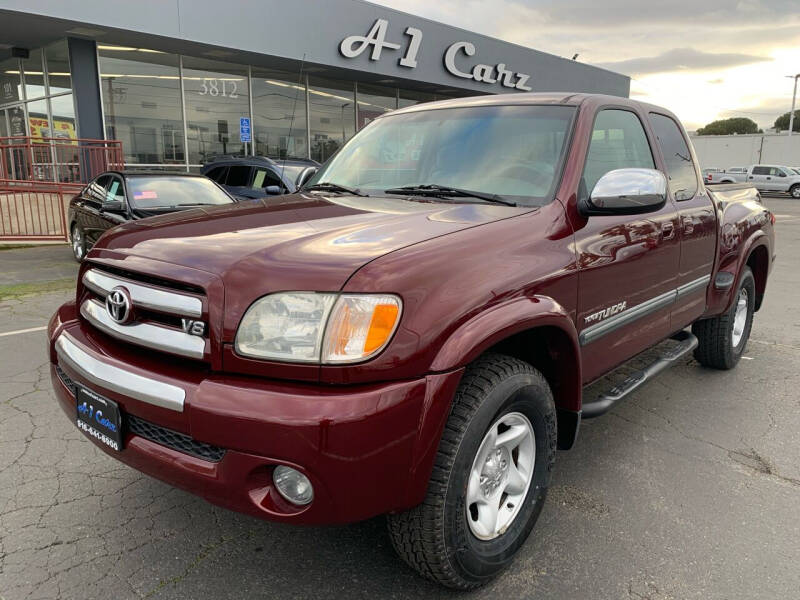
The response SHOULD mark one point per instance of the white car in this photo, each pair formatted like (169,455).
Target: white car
(775,178)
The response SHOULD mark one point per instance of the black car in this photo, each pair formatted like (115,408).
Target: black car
(115,197)
(254,177)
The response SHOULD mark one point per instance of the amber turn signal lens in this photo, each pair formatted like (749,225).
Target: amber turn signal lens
(360,325)
(381,327)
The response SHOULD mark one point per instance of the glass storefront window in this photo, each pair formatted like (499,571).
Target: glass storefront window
(63,111)
(279,114)
(10,81)
(38,122)
(411,97)
(217,96)
(142,104)
(58,71)
(33,75)
(332,115)
(373,101)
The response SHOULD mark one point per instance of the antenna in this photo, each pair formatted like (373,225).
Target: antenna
(294,108)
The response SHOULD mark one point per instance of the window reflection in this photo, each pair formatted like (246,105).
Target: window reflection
(279,114)
(332,116)
(217,96)
(10,81)
(411,97)
(142,104)
(58,71)
(374,101)
(33,75)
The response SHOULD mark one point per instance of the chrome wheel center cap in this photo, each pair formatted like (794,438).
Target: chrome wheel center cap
(494,472)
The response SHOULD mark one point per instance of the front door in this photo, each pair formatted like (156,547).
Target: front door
(697,221)
(628,265)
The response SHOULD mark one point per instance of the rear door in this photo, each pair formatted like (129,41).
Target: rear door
(628,265)
(697,227)
(760,177)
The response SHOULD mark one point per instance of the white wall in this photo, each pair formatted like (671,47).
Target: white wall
(723,151)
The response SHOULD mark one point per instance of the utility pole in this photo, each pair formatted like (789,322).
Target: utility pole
(794,98)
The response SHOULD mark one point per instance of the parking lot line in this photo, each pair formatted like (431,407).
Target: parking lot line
(18,331)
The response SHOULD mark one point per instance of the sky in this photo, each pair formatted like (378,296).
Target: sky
(702,59)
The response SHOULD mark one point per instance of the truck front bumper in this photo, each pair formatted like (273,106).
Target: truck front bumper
(366,449)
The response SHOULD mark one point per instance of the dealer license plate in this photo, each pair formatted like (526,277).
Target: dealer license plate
(100,418)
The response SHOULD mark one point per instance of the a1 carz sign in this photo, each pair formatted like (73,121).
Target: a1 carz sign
(375,41)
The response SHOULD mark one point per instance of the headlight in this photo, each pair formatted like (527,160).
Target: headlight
(316,327)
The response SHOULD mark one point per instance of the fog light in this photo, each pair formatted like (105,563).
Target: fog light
(293,485)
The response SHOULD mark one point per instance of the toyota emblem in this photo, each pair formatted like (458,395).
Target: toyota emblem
(118,305)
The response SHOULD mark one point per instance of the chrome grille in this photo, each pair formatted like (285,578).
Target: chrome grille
(158,314)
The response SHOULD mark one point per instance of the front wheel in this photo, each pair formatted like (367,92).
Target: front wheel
(794,191)
(489,480)
(722,339)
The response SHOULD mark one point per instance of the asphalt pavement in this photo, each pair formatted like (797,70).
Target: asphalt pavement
(689,489)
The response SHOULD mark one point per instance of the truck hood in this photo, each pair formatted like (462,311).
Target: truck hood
(295,242)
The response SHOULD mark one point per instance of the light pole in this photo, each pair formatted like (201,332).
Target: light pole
(794,97)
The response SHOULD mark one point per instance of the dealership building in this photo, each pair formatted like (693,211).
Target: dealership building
(183,81)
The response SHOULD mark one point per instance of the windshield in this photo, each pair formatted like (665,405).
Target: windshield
(174,191)
(512,151)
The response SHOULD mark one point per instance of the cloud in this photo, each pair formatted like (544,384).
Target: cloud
(681,59)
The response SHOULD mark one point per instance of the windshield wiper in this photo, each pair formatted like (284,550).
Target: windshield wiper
(432,189)
(329,186)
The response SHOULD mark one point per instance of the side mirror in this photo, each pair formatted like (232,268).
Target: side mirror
(112,206)
(782,174)
(272,190)
(305,176)
(627,192)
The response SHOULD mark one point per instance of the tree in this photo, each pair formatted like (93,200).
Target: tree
(729,126)
(782,122)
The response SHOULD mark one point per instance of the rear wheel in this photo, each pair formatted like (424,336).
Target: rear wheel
(795,191)
(78,242)
(724,338)
(489,480)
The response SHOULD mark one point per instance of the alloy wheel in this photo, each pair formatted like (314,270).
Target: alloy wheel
(500,476)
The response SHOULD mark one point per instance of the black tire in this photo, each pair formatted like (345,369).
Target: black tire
(435,538)
(794,191)
(77,240)
(716,336)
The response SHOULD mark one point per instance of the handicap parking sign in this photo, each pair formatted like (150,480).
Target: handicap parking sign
(244,129)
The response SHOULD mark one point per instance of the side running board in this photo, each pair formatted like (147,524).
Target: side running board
(605,401)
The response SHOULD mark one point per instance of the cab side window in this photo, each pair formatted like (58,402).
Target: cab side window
(678,159)
(760,171)
(238,176)
(115,191)
(618,142)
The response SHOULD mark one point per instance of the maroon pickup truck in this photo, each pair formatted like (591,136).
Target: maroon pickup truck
(411,334)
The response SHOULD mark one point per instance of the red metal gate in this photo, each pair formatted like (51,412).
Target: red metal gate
(38,176)
(34,210)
